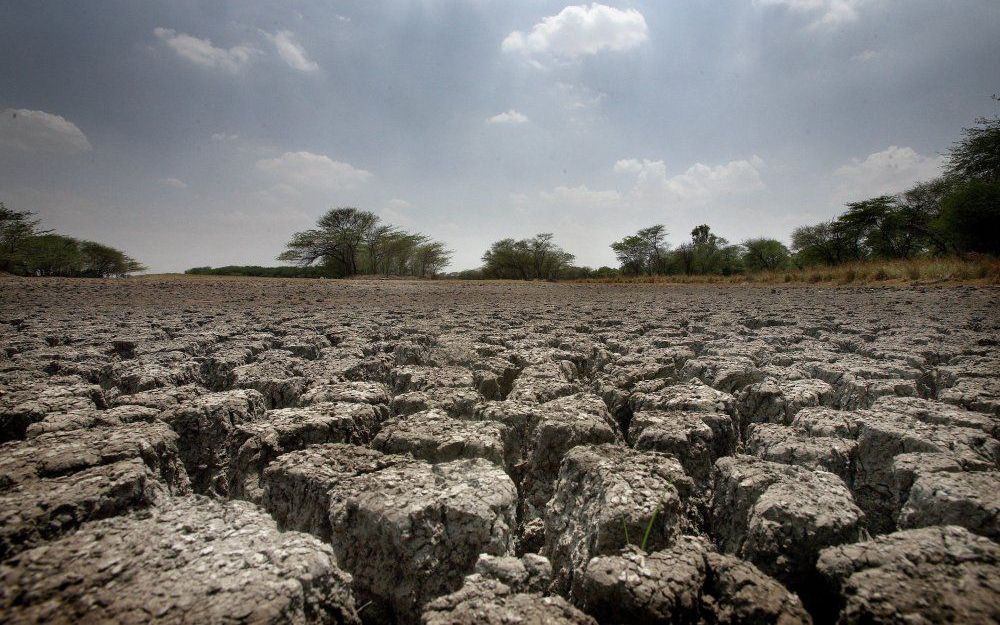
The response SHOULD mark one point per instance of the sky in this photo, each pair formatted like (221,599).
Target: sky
(205,133)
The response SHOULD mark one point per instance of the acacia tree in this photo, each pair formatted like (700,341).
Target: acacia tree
(764,254)
(643,252)
(976,156)
(632,253)
(16,229)
(351,241)
(526,259)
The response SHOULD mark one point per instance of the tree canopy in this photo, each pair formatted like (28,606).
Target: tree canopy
(26,250)
(349,241)
(526,259)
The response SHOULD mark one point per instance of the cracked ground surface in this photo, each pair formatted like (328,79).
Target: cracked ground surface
(178,449)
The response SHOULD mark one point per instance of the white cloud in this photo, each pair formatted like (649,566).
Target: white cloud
(38,131)
(699,183)
(222,137)
(291,52)
(313,170)
(202,52)
(826,12)
(397,212)
(173,183)
(892,170)
(581,30)
(581,197)
(865,55)
(649,187)
(399,204)
(508,117)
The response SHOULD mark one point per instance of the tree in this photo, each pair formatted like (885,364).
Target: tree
(921,209)
(871,227)
(101,261)
(53,255)
(821,244)
(643,252)
(16,229)
(350,241)
(632,253)
(431,258)
(976,156)
(765,254)
(526,259)
(970,217)
(707,249)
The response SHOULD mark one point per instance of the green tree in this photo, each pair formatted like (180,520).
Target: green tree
(526,259)
(710,253)
(349,241)
(632,253)
(102,261)
(976,156)
(821,244)
(53,255)
(970,217)
(643,252)
(17,228)
(765,254)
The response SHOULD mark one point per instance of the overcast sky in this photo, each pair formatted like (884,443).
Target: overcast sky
(205,133)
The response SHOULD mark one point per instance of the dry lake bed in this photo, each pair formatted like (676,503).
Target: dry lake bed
(210,450)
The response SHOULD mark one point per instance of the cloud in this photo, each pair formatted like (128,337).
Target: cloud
(865,55)
(397,212)
(399,204)
(222,137)
(173,183)
(827,12)
(698,184)
(291,52)
(38,131)
(509,117)
(649,186)
(892,170)
(581,30)
(202,52)
(581,197)
(313,170)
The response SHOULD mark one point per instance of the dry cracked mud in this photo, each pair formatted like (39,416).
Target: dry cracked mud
(315,451)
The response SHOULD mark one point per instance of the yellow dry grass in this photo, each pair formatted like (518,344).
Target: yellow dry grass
(946,270)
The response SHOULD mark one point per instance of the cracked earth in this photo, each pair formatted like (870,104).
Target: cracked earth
(210,450)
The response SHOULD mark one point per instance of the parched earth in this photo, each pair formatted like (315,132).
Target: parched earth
(182,450)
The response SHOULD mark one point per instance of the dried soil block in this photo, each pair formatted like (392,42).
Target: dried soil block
(189,560)
(208,428)
(605,492)
(969,500)
(296,486)
(941,574)
(483,601)
(257,443)
(435,437)
(409,533)
(778,401)
(780,516)
(567,422)
(789,445)
(687,582)
(697,439)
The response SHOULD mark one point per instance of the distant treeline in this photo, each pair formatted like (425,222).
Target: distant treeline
(257,271)
(957,214)
(27,251)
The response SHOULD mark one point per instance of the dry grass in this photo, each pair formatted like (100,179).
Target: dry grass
(950,270)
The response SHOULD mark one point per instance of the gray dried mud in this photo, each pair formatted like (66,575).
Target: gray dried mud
(290,451)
